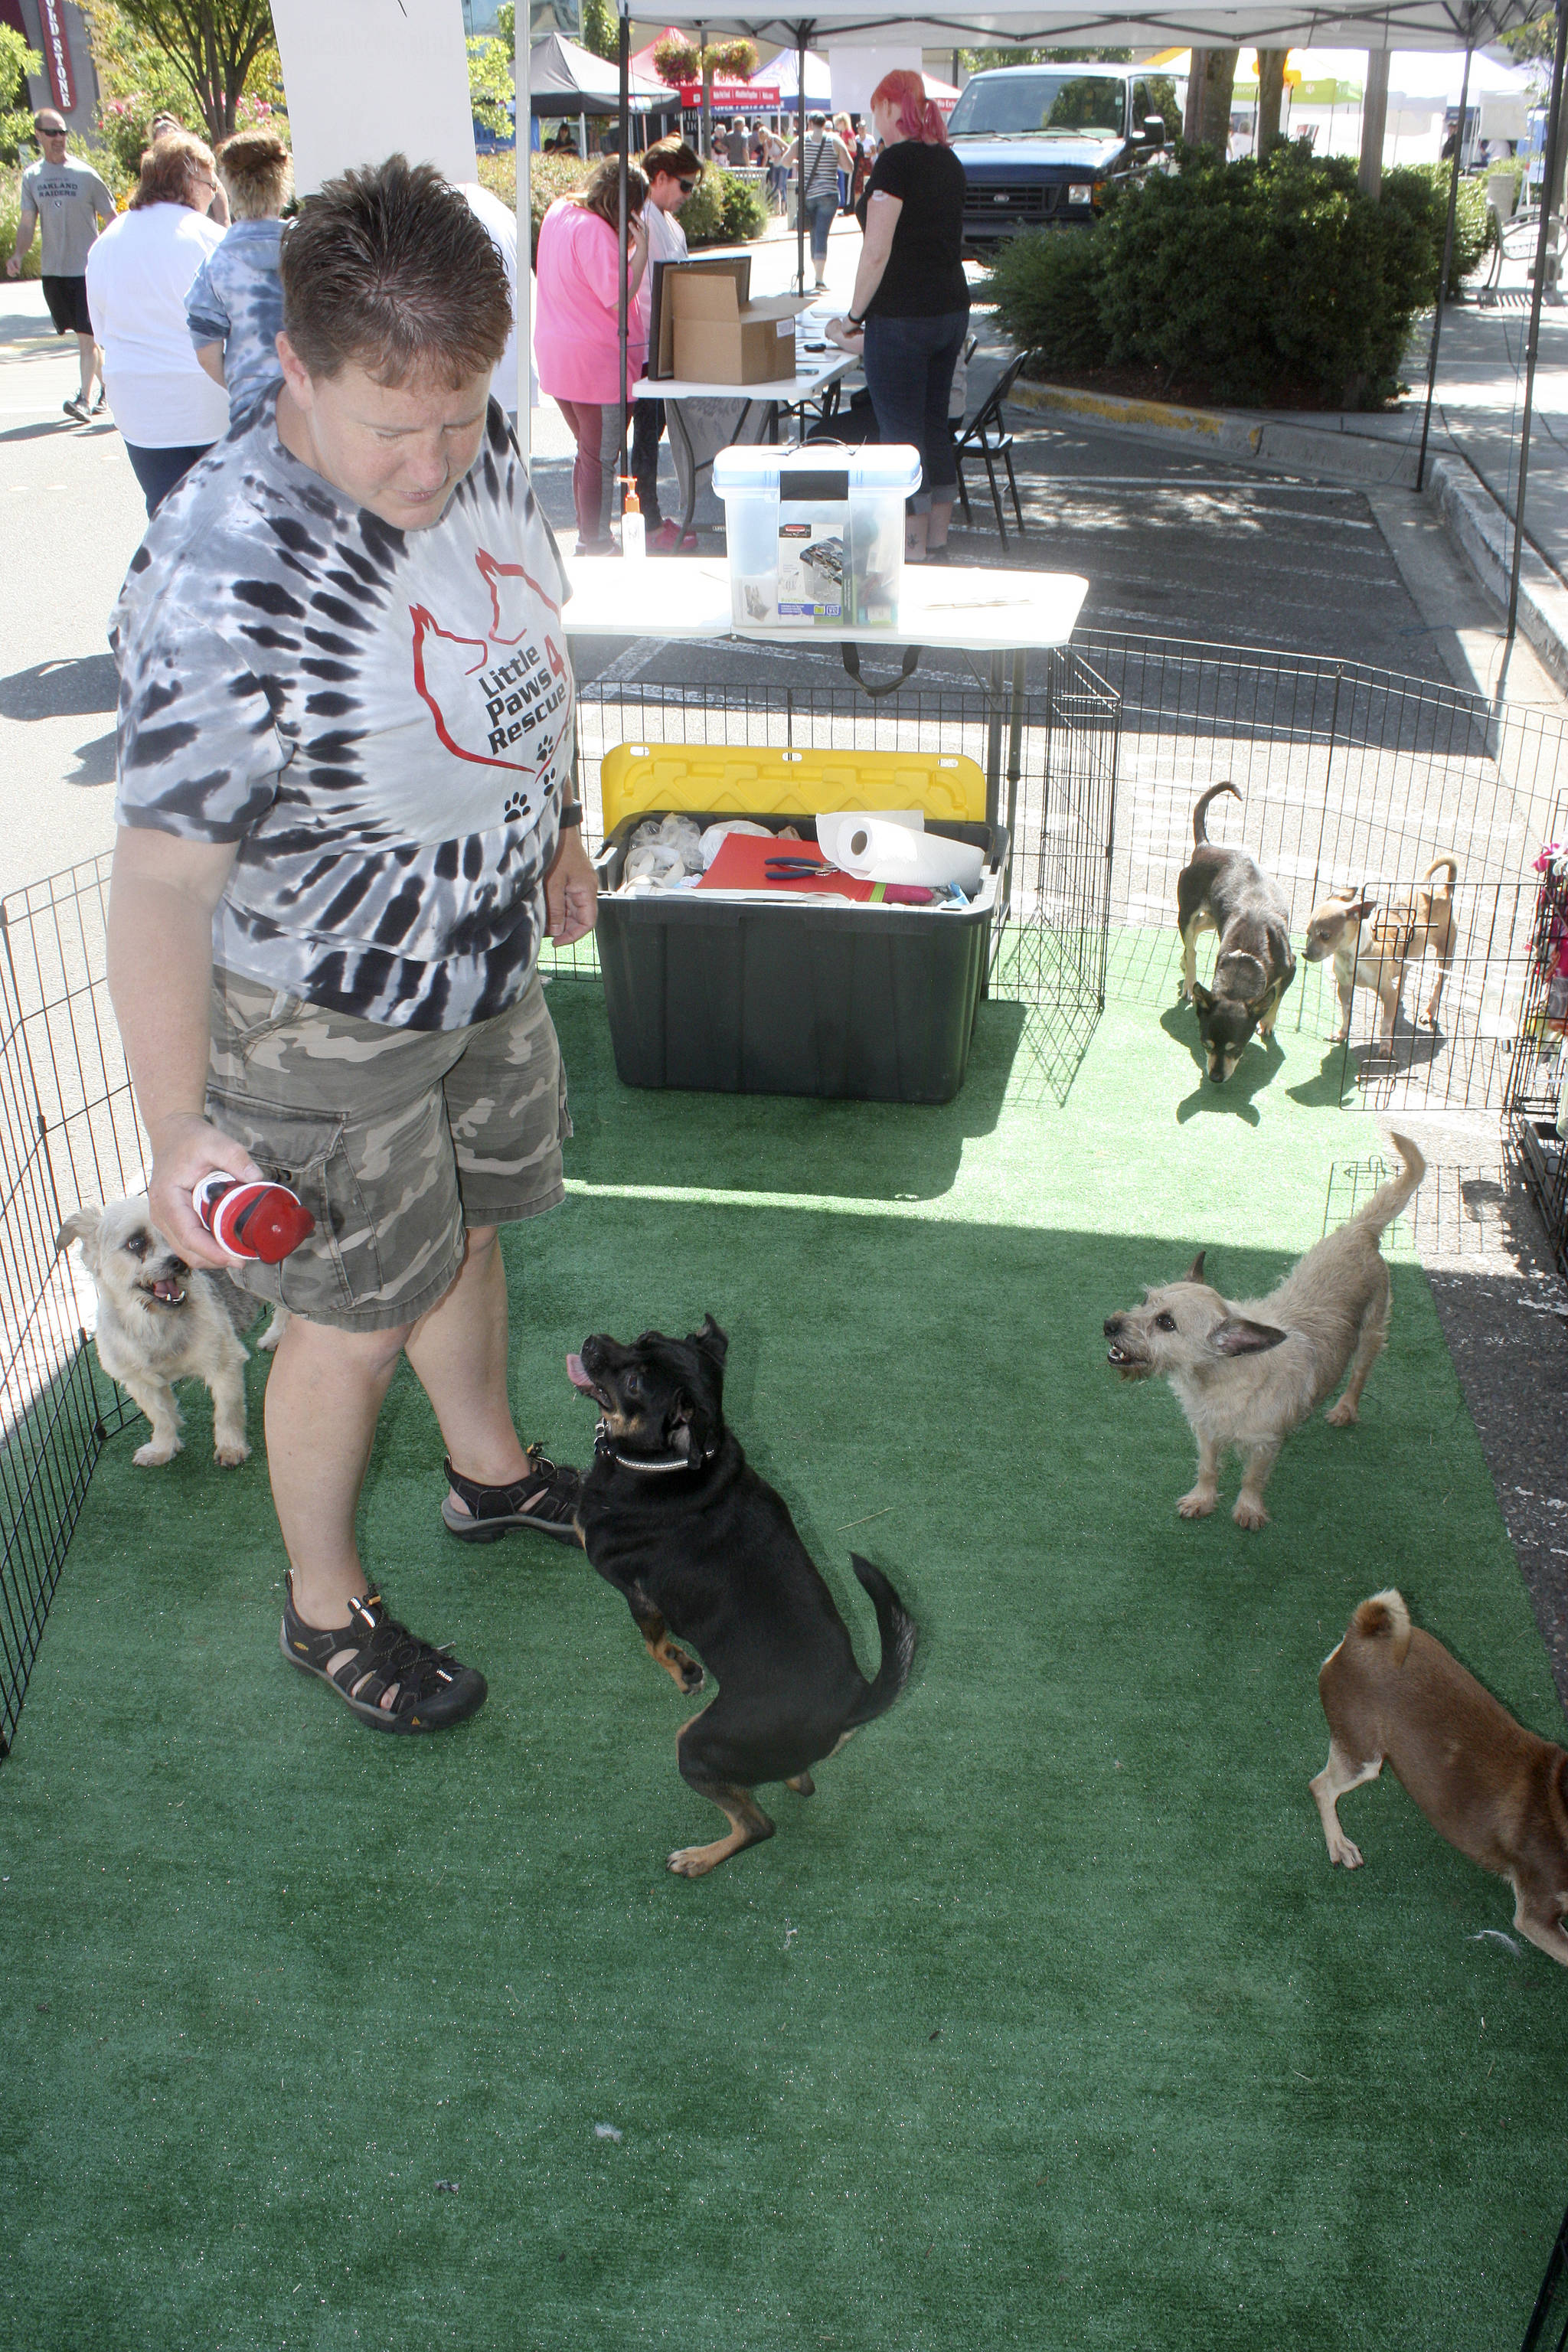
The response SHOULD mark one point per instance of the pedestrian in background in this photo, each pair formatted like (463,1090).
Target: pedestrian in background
(673,172)
(169,126)
(846,171)
(576,334)
(67,199)
(738,146)
(235,307)
(139,273)
(821,157)
(912,298)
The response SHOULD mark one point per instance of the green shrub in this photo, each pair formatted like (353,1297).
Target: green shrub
(1421,192)
(1265,284)
(1045,285)
(10,218)
(549,176)
(722,209)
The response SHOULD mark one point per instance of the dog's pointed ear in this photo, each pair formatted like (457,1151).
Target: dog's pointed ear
(82,1225)
(1236,1337)
(1194,1273)
(1362,910)
(711,1341)
(1203,997)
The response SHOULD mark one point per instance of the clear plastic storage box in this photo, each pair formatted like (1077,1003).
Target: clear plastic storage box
(817,534)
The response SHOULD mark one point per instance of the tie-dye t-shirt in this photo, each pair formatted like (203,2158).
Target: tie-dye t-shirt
(380,720)
(237,301)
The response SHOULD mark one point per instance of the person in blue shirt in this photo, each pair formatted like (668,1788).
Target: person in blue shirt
(234,307)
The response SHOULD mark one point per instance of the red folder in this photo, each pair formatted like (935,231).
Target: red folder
(741,862)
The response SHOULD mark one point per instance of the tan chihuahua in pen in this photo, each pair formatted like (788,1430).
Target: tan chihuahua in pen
(1393,1696)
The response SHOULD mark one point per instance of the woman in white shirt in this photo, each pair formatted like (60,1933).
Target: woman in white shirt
(673,171)
(139,273)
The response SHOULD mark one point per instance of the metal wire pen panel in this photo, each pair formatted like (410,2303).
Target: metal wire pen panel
(1350,780)
(1538,1153)
(1051,754)
(68,1135)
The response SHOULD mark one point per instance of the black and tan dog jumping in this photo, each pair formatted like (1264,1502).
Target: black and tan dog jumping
(704,1551)
(1226,891)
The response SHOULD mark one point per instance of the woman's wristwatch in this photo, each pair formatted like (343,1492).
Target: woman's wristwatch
(571,814)
(851,321)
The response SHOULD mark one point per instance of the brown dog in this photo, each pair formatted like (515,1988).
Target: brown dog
(1372,949)
(1395,1695)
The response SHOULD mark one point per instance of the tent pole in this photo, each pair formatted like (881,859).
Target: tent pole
(800,159)
(1443,276)
(624,123)
(522,301)
(1548,183)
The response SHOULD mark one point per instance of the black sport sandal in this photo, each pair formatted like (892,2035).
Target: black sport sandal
(428,1690)
(546,1501)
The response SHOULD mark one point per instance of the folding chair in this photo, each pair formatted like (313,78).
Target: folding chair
(987,437)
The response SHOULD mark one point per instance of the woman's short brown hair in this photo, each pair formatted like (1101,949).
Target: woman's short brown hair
(674,158)
(166,169)
(256,174)
(388,268)
(603,192)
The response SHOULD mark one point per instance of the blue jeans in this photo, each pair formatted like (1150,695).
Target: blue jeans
(909,366)
(821,212)
(159,471)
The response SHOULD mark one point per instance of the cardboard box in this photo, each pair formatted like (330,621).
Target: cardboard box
(710,331)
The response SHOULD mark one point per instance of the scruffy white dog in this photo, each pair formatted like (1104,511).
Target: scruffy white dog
(1249,1371)
(161,1320)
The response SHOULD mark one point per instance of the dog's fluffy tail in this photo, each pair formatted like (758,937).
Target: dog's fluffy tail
(1199,831)
(1384,1618)
(1437,865)
(1389,1199)
(896,1628)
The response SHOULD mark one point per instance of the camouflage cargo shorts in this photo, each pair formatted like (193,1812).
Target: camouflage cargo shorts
(395,1140)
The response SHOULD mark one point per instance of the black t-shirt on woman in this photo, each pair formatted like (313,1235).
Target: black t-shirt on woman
(924,275)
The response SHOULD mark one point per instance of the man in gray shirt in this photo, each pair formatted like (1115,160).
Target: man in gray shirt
(66,197)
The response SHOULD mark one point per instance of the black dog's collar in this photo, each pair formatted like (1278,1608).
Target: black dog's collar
(604,1444)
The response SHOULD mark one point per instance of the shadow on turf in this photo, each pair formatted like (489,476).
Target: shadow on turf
(793,1143)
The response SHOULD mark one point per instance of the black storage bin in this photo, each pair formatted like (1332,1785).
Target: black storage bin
(793,998)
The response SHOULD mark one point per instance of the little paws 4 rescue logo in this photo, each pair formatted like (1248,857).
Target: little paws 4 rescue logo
(495,699)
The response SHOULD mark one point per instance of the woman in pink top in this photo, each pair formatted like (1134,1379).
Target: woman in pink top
(576,334)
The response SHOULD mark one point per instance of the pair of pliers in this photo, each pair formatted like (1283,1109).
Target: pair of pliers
(794,869)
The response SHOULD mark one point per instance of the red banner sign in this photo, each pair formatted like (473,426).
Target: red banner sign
(743,95)
(58,54)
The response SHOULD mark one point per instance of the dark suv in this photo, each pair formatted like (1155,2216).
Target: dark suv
(1040,145)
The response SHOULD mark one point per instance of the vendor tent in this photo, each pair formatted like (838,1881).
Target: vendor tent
(783,73)
(566,78)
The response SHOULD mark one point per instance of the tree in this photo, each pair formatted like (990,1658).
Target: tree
(491,87)
(17,62)
(1532,44)
(213,44)
(678,60)
(601,33)
(1271,97)
(984,60)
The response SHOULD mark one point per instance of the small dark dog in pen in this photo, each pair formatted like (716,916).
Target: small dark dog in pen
(1395,1695)
(1226,891)
(1248,1371)
(704,1551)
(161,1320)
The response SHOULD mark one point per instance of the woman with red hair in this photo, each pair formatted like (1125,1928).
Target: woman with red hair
(912,297)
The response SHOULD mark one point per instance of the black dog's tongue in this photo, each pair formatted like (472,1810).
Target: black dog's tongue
(578,1377)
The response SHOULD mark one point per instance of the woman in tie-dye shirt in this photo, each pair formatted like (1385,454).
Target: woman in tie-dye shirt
(347,822)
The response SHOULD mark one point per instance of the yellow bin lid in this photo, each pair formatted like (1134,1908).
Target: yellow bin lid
(731,780)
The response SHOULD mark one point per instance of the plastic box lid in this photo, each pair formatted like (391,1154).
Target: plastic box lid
(890,466)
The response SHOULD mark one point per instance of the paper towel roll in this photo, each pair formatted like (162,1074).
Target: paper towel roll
(875,850)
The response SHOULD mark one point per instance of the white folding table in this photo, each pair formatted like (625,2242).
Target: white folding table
(944,607)
(756,406)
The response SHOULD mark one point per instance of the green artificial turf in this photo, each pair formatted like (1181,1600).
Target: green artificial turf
(1044,2023)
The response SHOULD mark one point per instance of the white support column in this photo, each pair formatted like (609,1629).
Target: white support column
(522,61)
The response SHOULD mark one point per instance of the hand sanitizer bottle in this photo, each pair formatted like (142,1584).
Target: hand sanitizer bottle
(634,536)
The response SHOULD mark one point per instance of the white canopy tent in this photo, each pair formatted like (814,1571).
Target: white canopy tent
(1372,25)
